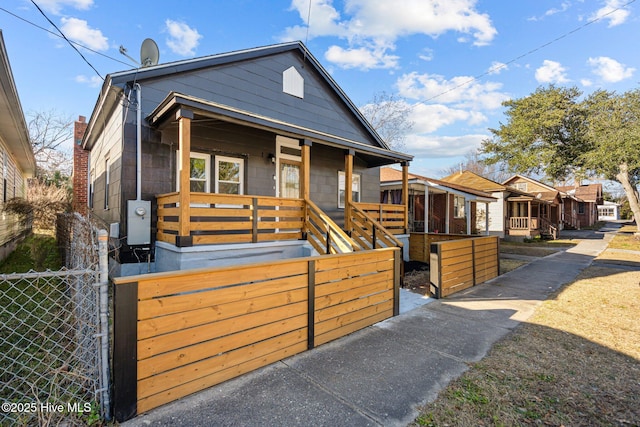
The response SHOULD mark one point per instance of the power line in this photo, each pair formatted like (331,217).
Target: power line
(68,41)
(494,69)
(58,35)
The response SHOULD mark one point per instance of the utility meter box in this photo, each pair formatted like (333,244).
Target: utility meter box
(138,222)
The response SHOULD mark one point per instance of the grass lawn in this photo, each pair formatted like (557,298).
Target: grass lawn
(575,362)
(37,252)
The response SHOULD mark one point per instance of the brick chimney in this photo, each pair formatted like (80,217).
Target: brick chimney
(80,168)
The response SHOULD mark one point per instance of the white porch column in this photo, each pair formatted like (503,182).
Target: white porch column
(426,209)
(467,214)
(486,218)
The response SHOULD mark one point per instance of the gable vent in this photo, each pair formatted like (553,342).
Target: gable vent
(292,82)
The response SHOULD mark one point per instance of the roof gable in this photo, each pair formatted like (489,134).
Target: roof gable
(388,174)
(537,186)
(473,180)
(259,81)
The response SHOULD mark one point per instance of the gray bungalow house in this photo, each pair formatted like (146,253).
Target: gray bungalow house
(233,158)
(16,156)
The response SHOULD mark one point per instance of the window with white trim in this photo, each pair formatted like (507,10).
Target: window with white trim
(355,188)
(199,172)
(458,207)
(229,175)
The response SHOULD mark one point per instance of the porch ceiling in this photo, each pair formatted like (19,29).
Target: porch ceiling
(164,114)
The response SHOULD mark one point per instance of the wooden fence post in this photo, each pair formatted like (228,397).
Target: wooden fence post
(435,268)
(311,305)
(125,353)
(254,224)
(397,260)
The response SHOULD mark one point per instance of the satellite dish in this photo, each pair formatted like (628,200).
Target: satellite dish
(149,53)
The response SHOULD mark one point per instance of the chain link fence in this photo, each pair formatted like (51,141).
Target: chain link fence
(54,335)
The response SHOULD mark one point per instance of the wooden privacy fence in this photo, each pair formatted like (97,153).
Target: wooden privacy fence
(459,264)
(180,332)
(420,244)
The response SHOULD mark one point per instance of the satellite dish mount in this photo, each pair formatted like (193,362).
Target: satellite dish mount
(149,54)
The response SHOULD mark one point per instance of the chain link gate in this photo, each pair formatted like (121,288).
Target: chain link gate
(54,337)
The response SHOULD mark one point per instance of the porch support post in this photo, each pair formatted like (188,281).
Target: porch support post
(305,168)
(447,212)
(427,217)
(405,194)
(529,214)
(486,218)
(184,118)
(348,187)
(467,213)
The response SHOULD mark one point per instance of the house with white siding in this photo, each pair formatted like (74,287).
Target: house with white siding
(17,162)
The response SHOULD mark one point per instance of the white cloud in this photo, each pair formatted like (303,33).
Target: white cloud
(426,55)
(497,67)
(609,69)
(460,91)
(363,57)
(586,82)
(551,72)
(376,25)
(79,31)
(183,39)
(428,118)
(430,146)
(612,11)
(93,81)
(56,6)
(324,20)
(550,12)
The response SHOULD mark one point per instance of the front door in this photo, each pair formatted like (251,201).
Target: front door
(289,175)
(288,163)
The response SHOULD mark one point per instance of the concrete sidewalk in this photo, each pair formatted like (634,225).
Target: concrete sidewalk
(380,375)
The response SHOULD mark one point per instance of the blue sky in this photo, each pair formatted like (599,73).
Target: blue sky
(452,61)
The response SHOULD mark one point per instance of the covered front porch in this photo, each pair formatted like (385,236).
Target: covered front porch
(530,217)
(231,204)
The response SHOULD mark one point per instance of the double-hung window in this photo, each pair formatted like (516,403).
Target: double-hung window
(229,173)
(356,181)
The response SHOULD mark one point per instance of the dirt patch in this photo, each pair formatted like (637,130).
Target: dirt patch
(416,277)
(576,362)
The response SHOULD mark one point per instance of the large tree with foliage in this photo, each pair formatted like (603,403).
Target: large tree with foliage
(556,131)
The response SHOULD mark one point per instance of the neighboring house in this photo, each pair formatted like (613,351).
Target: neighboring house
(524,207)
(428,209)
(608,211)
(497,210)
(263,140)
(16,156)
(537,213)
(584,203)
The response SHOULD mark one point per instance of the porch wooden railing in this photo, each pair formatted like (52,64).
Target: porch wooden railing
(549,228)
(324,234)
(368,233)
(223,218)
(389,216)
(522,223)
